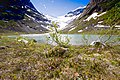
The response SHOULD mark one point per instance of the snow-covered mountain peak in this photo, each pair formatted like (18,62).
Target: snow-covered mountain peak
(67,18)
(79,8)
(75,12)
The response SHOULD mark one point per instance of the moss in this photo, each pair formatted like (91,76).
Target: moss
(31,61)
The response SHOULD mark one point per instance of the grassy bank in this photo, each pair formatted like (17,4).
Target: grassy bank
(34,61)
(97,32)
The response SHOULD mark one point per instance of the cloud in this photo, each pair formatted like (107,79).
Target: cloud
(52,1)
(44,6)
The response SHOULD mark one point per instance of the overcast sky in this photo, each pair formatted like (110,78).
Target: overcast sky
(57,7)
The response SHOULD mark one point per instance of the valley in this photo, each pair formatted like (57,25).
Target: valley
(82,44)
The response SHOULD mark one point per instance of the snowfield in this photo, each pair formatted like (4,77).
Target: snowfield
(62,20)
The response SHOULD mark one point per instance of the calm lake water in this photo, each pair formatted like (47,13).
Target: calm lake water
(75,39)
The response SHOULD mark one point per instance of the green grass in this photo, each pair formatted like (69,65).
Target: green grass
(100,32)
(35,61)
(108,4)
(8,24)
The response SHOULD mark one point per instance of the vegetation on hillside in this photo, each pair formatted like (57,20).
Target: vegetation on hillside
(7,24)
(112,17)
(108,4)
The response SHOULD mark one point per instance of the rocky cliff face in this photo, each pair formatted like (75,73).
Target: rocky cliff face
(98,6)
(24,15)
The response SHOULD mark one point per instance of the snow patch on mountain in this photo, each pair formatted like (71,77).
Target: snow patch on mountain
(101,26)
(72,28)
(80,31)
(94,16)
(79,8)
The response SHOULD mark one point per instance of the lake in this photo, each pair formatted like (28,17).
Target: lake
(75,39)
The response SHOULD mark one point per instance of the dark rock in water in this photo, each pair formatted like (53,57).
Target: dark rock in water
(34,40)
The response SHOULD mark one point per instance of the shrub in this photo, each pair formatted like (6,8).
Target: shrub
(56,36)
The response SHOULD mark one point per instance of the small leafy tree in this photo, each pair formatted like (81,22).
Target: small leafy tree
(57,37)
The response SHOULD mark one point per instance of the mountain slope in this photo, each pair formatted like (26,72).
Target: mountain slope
(99,15)
(21,16)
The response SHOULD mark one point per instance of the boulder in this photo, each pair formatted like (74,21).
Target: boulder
(33,40)
(98,44)
(58,51)
(23,40)
(4,47)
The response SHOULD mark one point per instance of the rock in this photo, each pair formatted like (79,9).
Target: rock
(4,47)
(58,51)
(61,50)
(76,74)
(23,40)
(8,47)
(98,44)
(34,40)
(96,55)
